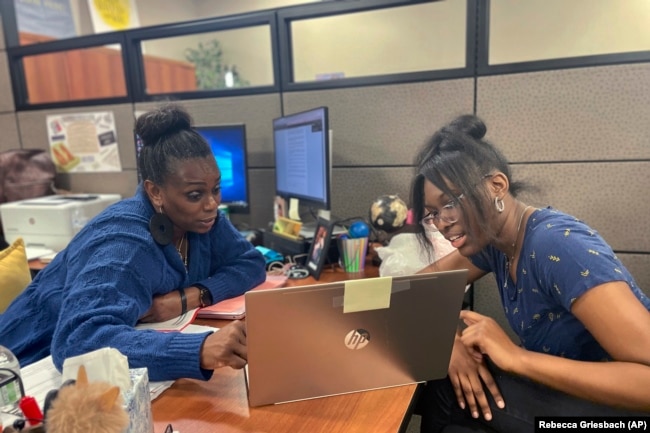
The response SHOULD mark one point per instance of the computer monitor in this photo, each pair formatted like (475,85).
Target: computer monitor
(228,145)
(302,157)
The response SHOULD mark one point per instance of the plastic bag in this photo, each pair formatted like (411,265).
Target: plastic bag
(404,255)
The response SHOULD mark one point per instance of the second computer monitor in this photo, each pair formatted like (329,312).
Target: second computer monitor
(302,157)
(228,144)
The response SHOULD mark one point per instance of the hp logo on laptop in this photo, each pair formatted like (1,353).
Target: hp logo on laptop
(357,339)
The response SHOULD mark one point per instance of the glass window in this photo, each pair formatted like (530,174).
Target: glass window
(40,21)
(522,31)
(421,37)
(88,73)
(209,61)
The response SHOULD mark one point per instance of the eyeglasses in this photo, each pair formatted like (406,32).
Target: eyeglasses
(450,213)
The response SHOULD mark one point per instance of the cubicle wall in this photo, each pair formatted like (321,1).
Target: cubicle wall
(581,135)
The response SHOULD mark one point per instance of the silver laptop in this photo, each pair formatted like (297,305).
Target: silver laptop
(301,343)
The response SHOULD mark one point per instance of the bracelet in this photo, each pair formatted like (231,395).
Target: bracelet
(183,301)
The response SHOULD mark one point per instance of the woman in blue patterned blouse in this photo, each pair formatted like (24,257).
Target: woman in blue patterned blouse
(583,322)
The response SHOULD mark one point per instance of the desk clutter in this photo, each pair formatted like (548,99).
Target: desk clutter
(96,392)
(331,243)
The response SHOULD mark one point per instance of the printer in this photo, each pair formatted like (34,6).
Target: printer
(52,221)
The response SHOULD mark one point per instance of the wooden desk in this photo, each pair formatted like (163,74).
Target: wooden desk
(221,405)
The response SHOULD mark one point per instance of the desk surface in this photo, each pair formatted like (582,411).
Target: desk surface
(221,405)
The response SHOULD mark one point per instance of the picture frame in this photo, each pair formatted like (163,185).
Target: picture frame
(318,250)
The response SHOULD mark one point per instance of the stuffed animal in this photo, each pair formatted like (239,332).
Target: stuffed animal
(87,407)
(82,407)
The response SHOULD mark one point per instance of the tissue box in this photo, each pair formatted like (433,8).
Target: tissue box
(137,402)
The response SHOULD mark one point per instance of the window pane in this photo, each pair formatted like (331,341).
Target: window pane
(88,73)
(40,21)
(522,31)
(423,37)
(209,61)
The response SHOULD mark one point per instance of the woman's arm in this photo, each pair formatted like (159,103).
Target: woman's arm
(618,321)
(470,378)
(453,261)
(231,263)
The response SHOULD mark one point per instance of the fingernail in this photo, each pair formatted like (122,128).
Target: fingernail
(501,404)
(488,416)
(474,414)
(461,404)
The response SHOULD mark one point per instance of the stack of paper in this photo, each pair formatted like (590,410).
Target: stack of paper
(235,308)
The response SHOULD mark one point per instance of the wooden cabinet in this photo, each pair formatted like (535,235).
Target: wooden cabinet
(96,73)
(165,76)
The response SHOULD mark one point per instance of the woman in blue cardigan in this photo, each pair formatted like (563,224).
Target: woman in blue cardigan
(147,258)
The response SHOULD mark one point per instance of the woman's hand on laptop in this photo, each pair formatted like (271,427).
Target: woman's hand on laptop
(225,348)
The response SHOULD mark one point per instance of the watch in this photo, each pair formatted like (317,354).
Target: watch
(205,297)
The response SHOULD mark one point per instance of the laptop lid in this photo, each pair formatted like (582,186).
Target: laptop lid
(314,341)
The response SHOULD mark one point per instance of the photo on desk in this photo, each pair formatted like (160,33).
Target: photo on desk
(319,247)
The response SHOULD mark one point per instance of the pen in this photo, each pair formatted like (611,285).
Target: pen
(31,411)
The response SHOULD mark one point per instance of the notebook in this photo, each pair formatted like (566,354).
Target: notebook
(234,308)
(335,338)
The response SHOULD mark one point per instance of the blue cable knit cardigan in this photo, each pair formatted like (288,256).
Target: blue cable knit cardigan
(94,291)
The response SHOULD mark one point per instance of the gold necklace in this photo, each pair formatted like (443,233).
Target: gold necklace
(182,253)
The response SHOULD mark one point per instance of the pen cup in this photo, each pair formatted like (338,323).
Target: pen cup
(352,253)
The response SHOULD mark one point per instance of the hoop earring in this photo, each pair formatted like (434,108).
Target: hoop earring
(161,228)
(498,203)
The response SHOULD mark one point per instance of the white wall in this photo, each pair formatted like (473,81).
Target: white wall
(548,29)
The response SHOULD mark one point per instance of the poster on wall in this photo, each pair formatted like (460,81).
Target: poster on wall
(51,18)
(84,142)
(113,15)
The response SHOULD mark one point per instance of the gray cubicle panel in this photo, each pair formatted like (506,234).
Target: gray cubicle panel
(10,138)
(581,114)
(7,99)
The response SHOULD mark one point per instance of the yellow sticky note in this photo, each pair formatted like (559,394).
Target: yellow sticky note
(367,294)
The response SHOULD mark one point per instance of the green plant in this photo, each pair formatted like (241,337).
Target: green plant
(209,69)
(207,63)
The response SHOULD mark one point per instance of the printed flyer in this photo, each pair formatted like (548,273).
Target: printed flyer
(84,142)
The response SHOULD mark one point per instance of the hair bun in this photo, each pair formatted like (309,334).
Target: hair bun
(154,124)
(468,124)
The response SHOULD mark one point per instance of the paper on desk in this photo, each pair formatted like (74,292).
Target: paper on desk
(176,324)
(42,376)
(34,252)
